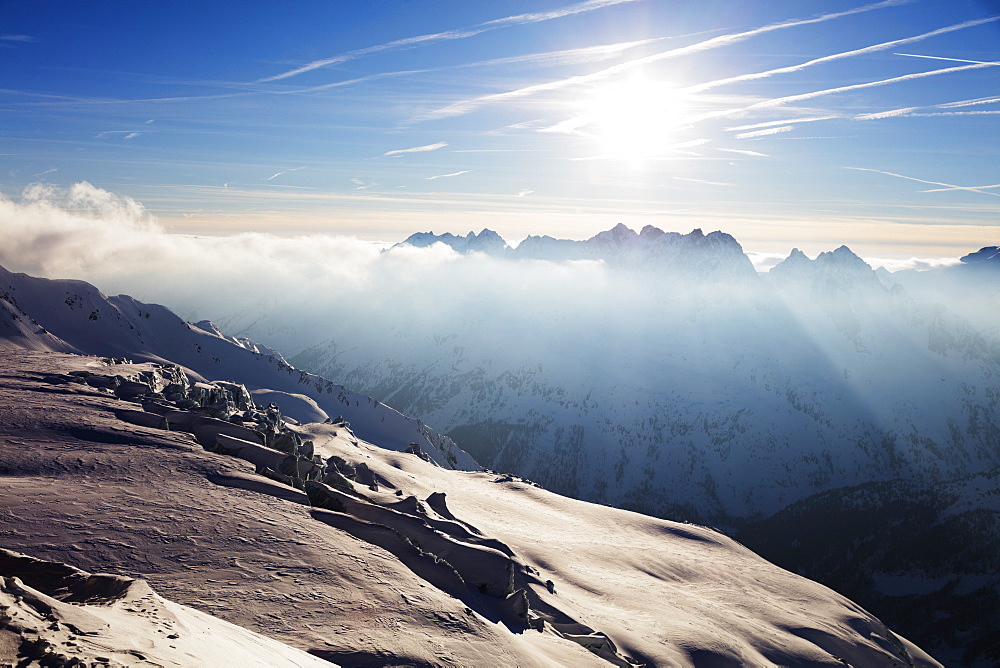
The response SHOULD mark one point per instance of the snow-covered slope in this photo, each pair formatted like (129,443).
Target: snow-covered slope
(417,565)
(74,316)
(57,615)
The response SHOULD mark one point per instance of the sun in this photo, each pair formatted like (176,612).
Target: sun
(634,119)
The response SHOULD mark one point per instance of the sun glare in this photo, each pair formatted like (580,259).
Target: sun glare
(634,119)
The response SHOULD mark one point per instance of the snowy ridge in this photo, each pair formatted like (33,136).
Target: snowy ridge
(74,316)
(487,241)
(716,254)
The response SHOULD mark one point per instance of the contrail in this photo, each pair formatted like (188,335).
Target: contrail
(741,151)
(846,54)
(975,188)
(778,101)
(764,133)
(947,186)
(445,176)
(417,149)
(892,113)
(806,119)
(954,60)
(461,33)
(466,106)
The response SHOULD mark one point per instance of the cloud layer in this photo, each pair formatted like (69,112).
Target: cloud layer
(88,233)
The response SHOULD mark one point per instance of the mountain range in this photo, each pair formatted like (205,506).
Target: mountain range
(681,383)
(659,372)
(155,514)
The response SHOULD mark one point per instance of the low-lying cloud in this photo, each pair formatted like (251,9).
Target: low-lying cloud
(297,291)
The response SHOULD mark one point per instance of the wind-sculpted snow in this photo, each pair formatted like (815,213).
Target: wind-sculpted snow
(52,614)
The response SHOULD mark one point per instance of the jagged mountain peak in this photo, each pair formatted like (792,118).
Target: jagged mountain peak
(649,232)
(620,233)
(986,256)
(716,254)
(485,233)
(837,267)
(843,256)
(487,241)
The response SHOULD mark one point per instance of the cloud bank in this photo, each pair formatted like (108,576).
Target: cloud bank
(260,284)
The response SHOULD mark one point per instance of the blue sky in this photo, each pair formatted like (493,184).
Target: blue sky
(793,123)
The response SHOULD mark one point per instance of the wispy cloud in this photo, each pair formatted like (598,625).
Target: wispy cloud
(461,33)
(764,133)
(45,99)
(884,46)
(571,126)
(702,181)
(741,151)
(363,185)
(779,101)
(126,134)
(953,60)
(351,82)
(585,54)
(465,106)
(956,113)
(277,174)
(786,121)
(417,149)
(47,171)
(969,103)
(976,188)
(892,113)
(915,111)
(947,186)
(445,176)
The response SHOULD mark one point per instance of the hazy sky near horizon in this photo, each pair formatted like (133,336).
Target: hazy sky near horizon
(795,123)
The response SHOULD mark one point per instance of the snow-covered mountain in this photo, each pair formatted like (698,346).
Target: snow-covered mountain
(377,558)
(971,287)
(719,399)
(715,255)
(666,386)
(74,316)
(487,241)
(672,393)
